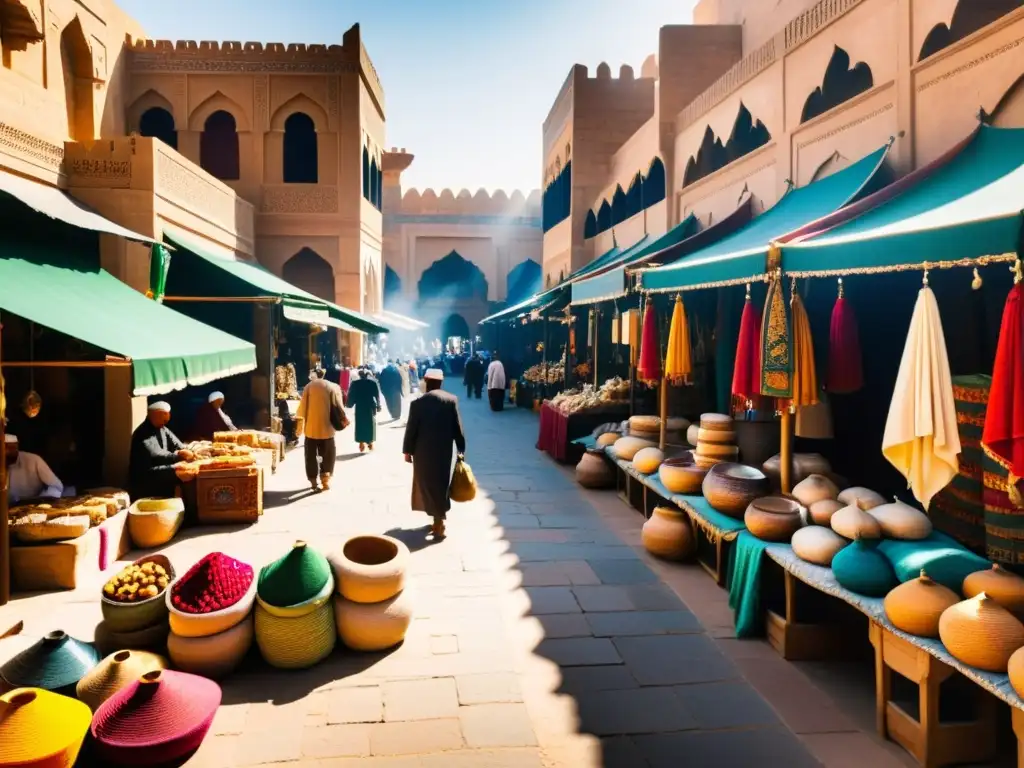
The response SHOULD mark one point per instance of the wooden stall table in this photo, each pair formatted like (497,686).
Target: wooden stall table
(629,484)
(558,430)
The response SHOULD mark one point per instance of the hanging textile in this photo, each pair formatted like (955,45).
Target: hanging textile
(921,438)
(678,365)
(649,368)
(1003,438)
(845,373)
(746,375)
(776,345)
(805,378)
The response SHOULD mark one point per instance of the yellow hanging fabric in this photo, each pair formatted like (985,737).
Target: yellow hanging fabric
(805,378)
(678,364)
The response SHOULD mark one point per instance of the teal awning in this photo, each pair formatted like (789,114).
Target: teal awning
(254,281)
(742,256)
(612,281)
(543,300)
(968,208)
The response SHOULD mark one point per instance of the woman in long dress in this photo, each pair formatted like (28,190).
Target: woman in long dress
(364,396)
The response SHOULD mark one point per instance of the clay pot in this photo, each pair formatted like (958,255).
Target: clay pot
(1015,670)
(691,433)
(773,518)
(608,438)
(864,498)
(681,475)
(901,521)
(817,544)
(373,626)
(626,448)
(729,488)
(815,488)
(916,605)
(981,633)
(718,451)
(594,471)
(852,522)
(369,569)
(1001,585)
(213,656)
(716,436)
(863,569)
(667,534)
(644,424)
(821,511)
(757,440)
(804,465)
(647,460)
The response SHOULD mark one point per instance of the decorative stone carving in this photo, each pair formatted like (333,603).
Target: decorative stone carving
(20,143)
(261,116)
(114,173)
(193,191)
(332,98)
(300,198)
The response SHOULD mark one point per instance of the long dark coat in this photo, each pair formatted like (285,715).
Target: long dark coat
(391,389)
(364,396)
(434,426)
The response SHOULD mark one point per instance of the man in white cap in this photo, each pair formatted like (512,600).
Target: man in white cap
(434,426)
(28,476)
(154,452)
(496,384)
(211,418)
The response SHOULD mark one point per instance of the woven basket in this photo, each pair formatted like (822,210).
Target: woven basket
(215,656)
(55,663)
(206,624)
(54,529)
(152,638)
(114,673)
(131,617)
(299,610)
(40,728)
(157,720)
(296,643)
(369,569)
(153,522)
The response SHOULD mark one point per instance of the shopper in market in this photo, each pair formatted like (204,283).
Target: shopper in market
(434,427)
(391,389)
(155,450)
(28,476)
(319,398)
(414,378)
(496,384)
(211,418)
(364,396)
(474,376)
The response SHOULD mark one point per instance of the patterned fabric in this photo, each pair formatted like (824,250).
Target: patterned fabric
(1004,519)
(776,345)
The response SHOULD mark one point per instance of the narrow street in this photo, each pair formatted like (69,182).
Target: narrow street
(543,636)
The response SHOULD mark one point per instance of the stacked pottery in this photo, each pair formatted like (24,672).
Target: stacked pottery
(41,728)
(645,427)
(211,616)
(374,604)
(594,471)
(294,613)
(716,440)
(55,663)
(114,673)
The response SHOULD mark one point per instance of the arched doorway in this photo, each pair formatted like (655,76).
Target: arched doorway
(523,281)
(310,272)
(218,146)
(392,286)
(452,287)
(158,123)
(454,326)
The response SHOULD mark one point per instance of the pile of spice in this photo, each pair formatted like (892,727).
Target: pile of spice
(214,583)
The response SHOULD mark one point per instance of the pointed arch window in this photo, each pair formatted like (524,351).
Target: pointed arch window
(218,146)
(300,158)
(158,123)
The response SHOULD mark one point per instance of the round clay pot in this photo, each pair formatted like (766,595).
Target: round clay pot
(981,633)
(864,498)
(681,475)
(626,448)
(213,656)
(863,569)
(373,626)
(667,534)
(594,471)
(804,465)
(1015,670)
(916,605)
(716,436)
(901,521)
(369,569)
(647,460)
(608,438)
(852,522)
(773,518)
(729,487)
(817,544)
(815,488)
(1001,585)
(821,511)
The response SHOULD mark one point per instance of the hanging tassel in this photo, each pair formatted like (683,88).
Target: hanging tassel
(746,376)
(678,364)
(845,372)
(649,368)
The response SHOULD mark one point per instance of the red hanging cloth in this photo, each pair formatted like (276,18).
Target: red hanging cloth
(649,368)
(746,374)
(845,374)
(1003,435)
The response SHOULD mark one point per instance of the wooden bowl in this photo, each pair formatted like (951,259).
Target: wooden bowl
(774,518)
(730,487)
(682,475)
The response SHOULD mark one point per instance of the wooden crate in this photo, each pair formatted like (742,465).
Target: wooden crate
(58,565)
(225,496)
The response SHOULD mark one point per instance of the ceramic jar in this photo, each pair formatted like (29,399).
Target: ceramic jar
(864,498)
(814,488)
(369,569)
(901,521)
(667,534)
(820,512)
(852,521)
(1015,670)
(213,656)
(606,439)
(817,544)
(773,518)
(626,448)
(1001,585)
(981,633)
(647,460)
(681,475)
(594,471)
(729,488)
(863,569)
(916,605)
(374,626)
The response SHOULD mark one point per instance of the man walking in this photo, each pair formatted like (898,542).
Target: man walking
(474,377)
(319,397)
(496,384)
(390,382)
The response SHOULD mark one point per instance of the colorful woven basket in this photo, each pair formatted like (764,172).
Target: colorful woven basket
(206,624)
(114,673)
(158,719)
(295,578)
(131,617)
(55,663)
(153,522)
(296,643)
(301,609)
(214,656)
(40,728)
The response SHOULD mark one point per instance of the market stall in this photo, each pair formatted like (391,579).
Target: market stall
(574,413)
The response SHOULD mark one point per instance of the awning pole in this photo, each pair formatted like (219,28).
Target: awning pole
(5,533)
(786,451)
(663,413)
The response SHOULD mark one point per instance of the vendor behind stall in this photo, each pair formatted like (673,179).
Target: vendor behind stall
(154,452)
(212,418)
(28,476)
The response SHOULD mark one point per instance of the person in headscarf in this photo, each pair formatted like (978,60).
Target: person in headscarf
(28,476)
(391,388)
(434,427)
(154,452)
(364,396)
(496,384)
(211,418)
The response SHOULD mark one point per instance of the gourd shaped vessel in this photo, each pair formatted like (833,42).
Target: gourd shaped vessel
(114,673)
(814,488)
(1001,585)
(901,521)
(607,438)
(667,534)
(817,544)
(821,512)
(647,460)
(1015,670)
(298,576)
(916,605)
(852,522)
(981,633)
(55,663)
(594,471)
(861,568)
(864,498)
(41,728)
(626,448)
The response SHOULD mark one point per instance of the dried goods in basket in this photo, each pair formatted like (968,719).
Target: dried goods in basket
(133,598)
(215,594)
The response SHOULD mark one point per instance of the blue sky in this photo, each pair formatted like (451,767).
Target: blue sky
(467,83)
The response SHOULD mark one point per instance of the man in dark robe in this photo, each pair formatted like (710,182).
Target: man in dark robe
(212,418)
(154,452)
(434,426)
(391,389)
(474,377)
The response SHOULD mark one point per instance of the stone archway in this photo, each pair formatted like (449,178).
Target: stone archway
(309,271)
(454,325)
(454,278)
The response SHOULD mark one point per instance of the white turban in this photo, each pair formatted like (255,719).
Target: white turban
(160,405)
(9,438)
(214,396)
(434,373)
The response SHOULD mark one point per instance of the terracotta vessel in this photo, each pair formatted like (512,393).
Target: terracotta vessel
(1015,670)
(804,465)
(981,633)
(647,460)
(667,534)
(594,471)
(916,605)
(1001,585)
(370,569)
(821,512)
(815,488)
(716,421)
(626,448)
(608,438)
(852,522)
(718,450)
(715,436)
(729,487)
(774,518)
(213,656)
(901,521)
(681,475)
(644,424)
(817,544)
(373,626)
(864,498)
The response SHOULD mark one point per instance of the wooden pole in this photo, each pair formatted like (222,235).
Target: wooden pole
(5,534)
(597,332)
(786,451)
(663,412)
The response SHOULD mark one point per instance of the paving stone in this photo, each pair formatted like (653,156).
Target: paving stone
(420,699)
(568,521)
(497,725)
(653,597)
(518,521)
(674,659)
(716,706)
(603,598)
(363,704)
(408,761)
(630,711)
(621,752)
(584,680)
(579,651)
(544,575)
(443,644)
(485,758)
(625,623)
(727,749)
(411,738)
(556,625)
(551,600)
(493,688)
(622,572)
(580,573)
(336,741)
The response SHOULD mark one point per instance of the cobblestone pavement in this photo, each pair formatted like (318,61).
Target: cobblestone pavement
(543,637)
